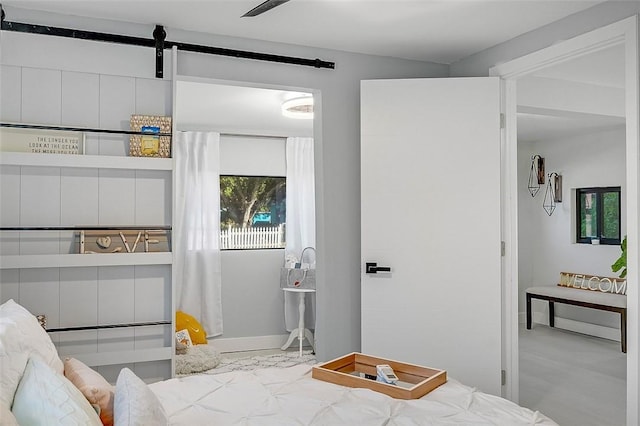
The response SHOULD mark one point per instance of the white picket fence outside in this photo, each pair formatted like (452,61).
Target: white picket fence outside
(252,238)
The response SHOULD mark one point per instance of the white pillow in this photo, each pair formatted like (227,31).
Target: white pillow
(136,404)
(46,397)
(21,335)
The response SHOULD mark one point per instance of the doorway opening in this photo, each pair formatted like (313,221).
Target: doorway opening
(572,115)
(258,146)
(617,39)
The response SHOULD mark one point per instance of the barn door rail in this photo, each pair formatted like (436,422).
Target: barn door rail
(159,43)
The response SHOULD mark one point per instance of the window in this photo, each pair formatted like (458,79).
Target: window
(252,212)
(598,215)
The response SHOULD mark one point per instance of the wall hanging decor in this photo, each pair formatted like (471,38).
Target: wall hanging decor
(125,240)
(554,186)
(557,187)
(536,175)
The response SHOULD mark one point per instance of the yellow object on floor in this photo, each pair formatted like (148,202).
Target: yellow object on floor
(196,332)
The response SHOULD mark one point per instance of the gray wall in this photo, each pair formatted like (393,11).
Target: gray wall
(252,302)
(598,16)
(337,154)
(337,144)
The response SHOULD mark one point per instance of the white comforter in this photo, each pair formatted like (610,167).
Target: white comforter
(289,396)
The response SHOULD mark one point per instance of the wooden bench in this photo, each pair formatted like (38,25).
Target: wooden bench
(587,291)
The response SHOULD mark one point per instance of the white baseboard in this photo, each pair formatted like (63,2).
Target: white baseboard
(575,326)
(255,343)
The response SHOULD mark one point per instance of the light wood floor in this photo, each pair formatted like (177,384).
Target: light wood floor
(575,379)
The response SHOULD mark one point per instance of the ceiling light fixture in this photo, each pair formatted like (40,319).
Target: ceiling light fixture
(301,108)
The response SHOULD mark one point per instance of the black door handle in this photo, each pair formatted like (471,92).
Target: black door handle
(373,268)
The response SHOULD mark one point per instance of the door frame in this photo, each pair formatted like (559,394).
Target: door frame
(274,341)
(622,32)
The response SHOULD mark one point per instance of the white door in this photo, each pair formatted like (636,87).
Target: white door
(430,156)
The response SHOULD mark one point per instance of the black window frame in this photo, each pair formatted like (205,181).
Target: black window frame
(599,191)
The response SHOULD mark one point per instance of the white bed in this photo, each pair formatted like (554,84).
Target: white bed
(289,396)
(37,387)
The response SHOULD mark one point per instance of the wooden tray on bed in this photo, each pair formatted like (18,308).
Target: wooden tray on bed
(350,370)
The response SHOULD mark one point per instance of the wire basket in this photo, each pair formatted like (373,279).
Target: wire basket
(304,279)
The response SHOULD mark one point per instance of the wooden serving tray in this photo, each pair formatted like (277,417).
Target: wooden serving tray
(349,370)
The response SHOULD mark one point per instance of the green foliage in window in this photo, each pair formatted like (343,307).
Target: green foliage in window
(241,197)
(621,263)
(611,202)
(598,215)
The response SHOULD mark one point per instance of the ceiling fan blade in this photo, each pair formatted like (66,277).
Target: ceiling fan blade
(264,7)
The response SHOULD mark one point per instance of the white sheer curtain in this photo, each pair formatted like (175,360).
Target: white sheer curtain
(301,220)
(197,228)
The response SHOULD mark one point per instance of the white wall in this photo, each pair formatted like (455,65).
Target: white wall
(546,243)
(337,137)
(253,156)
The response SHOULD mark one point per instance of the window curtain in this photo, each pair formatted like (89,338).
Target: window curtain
(197,228)
(301,221)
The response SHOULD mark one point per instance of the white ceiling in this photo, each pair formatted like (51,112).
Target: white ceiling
(442,31)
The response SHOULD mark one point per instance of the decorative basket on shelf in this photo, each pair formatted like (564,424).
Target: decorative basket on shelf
(150,145)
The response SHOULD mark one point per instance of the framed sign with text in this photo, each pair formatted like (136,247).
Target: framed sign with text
(39,141)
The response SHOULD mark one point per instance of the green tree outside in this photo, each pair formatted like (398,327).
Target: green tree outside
(241,197)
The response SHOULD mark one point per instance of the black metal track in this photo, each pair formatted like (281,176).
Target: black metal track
(80,129)
(159,43)
(100,327)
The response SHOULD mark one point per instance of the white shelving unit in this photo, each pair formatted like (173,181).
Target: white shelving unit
(72,289)
(85,161)
(84,260)
(125,357)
